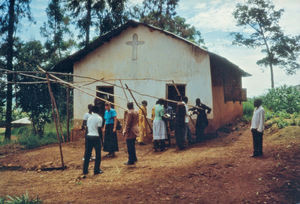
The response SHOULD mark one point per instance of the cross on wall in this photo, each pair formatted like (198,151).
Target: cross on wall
(134,43)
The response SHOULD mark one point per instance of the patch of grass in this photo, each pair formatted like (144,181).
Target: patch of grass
(23,199)
(29,140)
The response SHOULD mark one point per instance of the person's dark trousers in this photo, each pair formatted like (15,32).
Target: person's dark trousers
(179,135)
(199,134)
(257,142)
(90,143)
(131,151)
(162,145)
(188,133)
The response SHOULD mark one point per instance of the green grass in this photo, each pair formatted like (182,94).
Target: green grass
(23,199)
(27,138)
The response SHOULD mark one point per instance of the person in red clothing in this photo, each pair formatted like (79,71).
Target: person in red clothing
(130,132)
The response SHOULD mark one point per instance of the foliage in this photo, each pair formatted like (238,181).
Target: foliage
(33,99)
(248,109)
(283,99)
(29,140)
(262,18)
(110,16)
(23,199)
(55,31)
(11,13)
(105,14)
(162,14)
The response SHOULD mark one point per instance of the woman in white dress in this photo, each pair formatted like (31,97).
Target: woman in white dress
(159,127)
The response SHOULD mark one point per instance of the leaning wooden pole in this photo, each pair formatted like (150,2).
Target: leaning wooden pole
(68,113)
(55,121)
(139,107)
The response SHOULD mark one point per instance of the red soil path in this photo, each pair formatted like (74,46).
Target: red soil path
(215,171)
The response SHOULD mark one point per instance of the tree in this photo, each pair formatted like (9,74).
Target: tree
(262,18)
(110,15)
(33,99)
(11,13)
(55,30)
(162,14)
(104,14)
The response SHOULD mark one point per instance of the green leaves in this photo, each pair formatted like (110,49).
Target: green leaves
(262,18)
(283,98)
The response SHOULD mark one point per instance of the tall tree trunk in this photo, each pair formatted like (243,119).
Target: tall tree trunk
(10,41)
(88,22)
(272,76)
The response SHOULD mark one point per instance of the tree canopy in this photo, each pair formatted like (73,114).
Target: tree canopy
(263,20)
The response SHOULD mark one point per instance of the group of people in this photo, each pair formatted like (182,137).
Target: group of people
(135,129)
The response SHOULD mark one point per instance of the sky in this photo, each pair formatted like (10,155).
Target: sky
(215,21)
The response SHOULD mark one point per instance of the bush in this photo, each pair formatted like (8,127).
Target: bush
(281,123)
(284,98)
(23,199)
(248,109)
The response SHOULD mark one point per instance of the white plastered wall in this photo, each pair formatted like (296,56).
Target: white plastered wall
(160,57)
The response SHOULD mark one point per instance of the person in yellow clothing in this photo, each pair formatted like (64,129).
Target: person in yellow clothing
(142,123)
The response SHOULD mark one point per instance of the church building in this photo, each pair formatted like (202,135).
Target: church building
(150,61)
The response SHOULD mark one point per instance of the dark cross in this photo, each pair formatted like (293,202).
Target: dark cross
(134,43)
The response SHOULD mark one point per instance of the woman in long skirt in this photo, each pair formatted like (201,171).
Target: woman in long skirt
(159,127)
(110,135)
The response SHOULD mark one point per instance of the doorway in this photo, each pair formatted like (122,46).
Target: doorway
(100,103)
(173,95)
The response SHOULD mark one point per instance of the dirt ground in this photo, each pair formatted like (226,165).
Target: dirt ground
(219,170)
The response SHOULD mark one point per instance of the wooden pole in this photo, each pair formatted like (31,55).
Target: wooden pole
(55,121)
(124,90)
(139,107)
(68,113)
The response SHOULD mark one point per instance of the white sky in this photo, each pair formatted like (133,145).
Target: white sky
(215,21)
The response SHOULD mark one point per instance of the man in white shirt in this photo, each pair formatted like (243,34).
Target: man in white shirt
(187,135)
(257,128)
(86,117)
(92,140)
(83,127)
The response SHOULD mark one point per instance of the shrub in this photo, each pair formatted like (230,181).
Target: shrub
(248,109)
(23,199)
(29,141)
(284,98)
(281,123)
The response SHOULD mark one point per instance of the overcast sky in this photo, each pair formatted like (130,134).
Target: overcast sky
(215,21)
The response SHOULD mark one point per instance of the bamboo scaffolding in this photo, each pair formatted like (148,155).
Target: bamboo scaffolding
(103,81)
(71,85)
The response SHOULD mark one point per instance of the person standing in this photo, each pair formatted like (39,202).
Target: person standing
(257,128)
(188,135)
(84,123)
(94,124)
(110,139)
(86,116)
(130,132)
(142,123)
(159,127)
(180,125)
(202,122)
